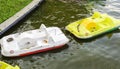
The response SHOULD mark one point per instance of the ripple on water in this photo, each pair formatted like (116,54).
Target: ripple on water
(98,53)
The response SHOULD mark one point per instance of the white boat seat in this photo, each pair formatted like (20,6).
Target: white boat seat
(27,43)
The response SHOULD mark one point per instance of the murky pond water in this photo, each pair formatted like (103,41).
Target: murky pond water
(99,53)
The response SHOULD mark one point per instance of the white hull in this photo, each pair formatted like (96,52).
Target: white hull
(34,41)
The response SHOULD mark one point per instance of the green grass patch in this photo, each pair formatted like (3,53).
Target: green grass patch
(9,7)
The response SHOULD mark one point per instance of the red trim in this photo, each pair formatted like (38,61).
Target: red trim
(42,50)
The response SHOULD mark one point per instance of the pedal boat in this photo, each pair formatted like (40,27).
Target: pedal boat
(4,65)
(93,26)
(33,41)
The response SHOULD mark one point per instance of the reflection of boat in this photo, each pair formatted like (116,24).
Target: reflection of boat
(4,65)
(92,26)
(30,42)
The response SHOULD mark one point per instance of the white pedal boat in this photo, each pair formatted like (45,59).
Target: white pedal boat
(33,41)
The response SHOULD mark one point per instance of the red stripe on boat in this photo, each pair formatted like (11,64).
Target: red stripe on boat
(42,50)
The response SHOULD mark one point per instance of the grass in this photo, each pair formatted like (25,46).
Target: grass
(9,7)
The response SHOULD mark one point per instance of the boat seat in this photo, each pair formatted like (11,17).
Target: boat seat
(27,43)
(92,27)
(107,22)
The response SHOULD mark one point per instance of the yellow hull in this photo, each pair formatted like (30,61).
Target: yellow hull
(4,65)
(93,26)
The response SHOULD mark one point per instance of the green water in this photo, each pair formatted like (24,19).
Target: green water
(98,53)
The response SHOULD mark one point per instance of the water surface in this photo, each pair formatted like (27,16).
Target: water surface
(98,53)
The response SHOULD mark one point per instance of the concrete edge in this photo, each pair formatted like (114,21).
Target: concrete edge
(18,16)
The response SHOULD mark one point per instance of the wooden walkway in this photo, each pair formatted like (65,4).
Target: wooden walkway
(18,16)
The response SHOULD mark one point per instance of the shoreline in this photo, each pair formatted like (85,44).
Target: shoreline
(7,24)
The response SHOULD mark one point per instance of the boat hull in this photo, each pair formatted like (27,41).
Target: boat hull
(33,41)
(93,26)
(4,65)
(42,50)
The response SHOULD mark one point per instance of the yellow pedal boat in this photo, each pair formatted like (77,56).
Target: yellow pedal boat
(4,65)
(93,26)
